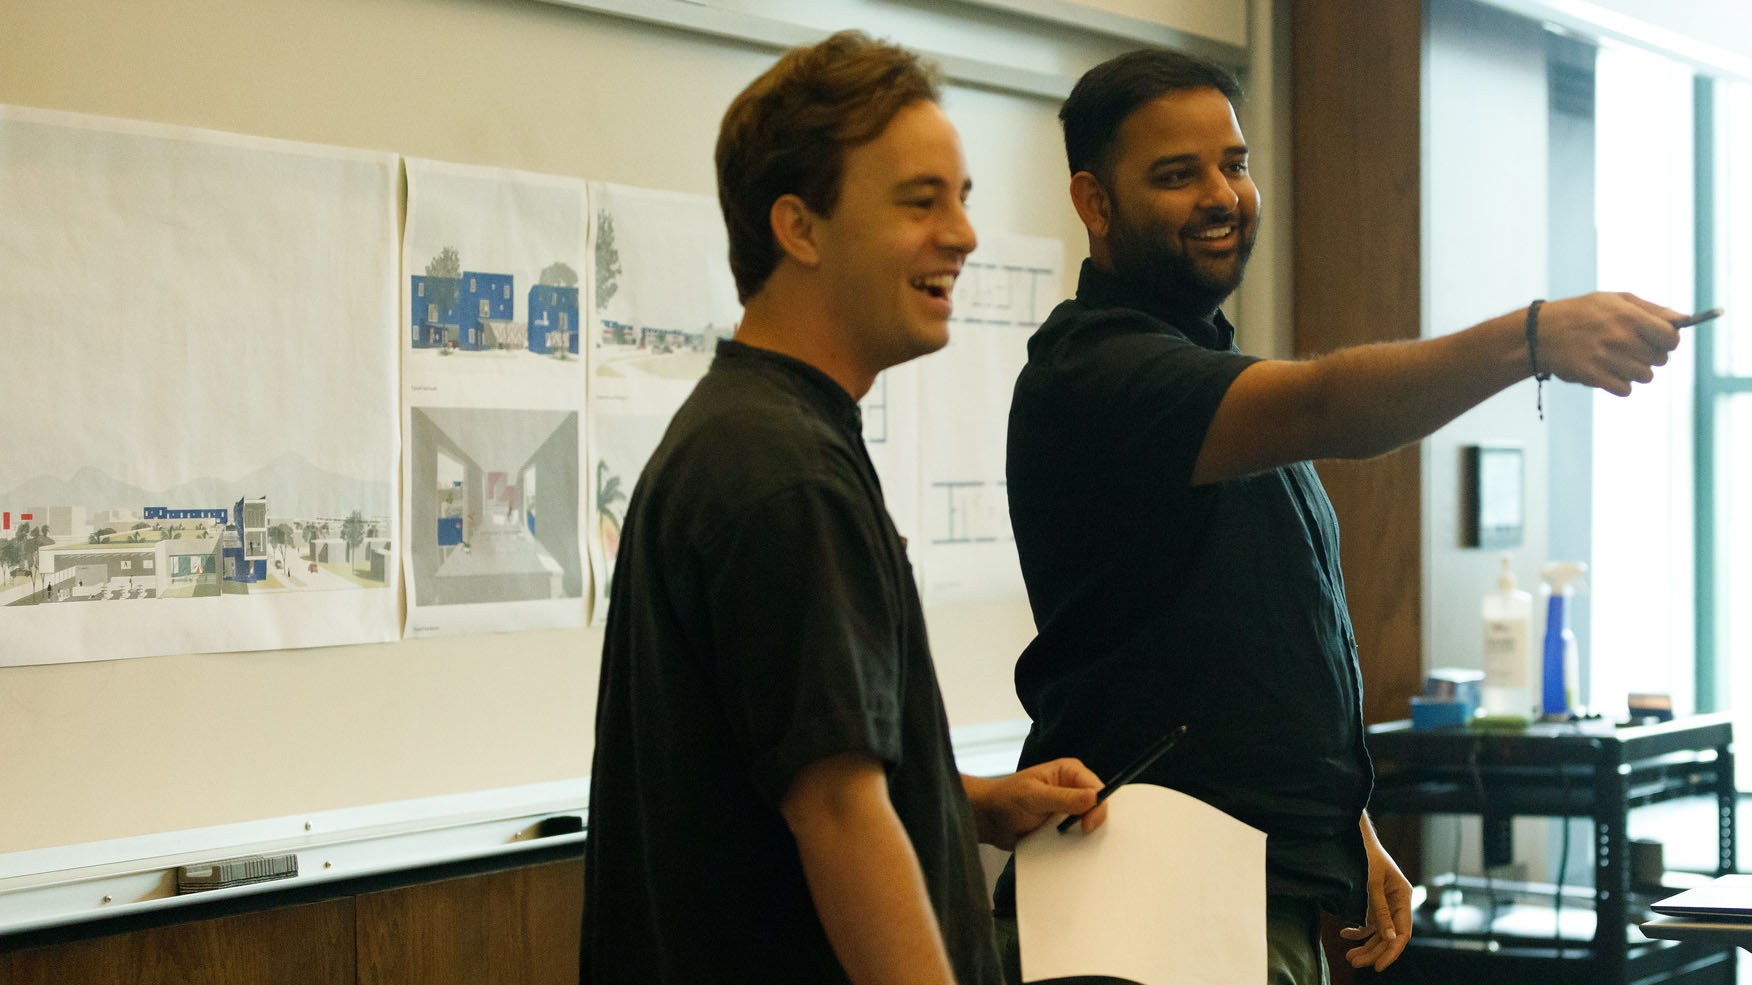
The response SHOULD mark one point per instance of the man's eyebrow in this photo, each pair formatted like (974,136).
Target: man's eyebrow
(929,182)
(1170,160)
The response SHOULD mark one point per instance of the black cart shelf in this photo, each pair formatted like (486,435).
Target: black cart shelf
(1588,770)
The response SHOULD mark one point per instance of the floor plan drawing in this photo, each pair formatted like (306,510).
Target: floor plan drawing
(1006,288)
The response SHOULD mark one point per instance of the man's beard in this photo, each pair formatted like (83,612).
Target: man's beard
(1145,256)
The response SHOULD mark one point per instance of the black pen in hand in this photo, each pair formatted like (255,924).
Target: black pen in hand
(1128,774)
(1699,318)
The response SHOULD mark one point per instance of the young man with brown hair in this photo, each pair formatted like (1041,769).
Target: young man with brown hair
(774,797)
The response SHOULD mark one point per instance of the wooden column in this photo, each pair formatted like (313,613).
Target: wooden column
(1356,251)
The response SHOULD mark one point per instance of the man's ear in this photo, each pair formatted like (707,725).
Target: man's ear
(794,229)
(1092,203)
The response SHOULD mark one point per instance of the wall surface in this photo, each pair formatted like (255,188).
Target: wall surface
(106,752)
(1485,230)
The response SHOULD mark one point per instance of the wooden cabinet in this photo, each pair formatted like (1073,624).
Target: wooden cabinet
(295,945)
(509,928)
(516,926)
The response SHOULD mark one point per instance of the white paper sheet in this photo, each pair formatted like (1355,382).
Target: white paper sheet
(199,376)
(663,296)
(492,362)
(1005,291)
(1169,891)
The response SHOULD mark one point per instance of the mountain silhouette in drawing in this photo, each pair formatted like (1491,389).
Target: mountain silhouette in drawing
(91,488)
(294,488)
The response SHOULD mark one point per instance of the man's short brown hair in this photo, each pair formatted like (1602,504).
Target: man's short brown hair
(788,133)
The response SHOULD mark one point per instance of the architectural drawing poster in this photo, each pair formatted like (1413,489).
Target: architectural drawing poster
(199,379)
(891,435)
(966,551)
(662,298)
(494,376)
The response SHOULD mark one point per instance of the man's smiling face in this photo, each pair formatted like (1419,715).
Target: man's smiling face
(1184,211)
(897,237)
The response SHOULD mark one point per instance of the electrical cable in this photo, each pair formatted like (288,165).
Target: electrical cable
(1563,868)
(1483,843)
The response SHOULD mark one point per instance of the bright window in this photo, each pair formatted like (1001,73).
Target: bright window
(1726,404)
(1643,602)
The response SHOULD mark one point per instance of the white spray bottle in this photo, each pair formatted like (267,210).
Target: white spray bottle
(1561,671)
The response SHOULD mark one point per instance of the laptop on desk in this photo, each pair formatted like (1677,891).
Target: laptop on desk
(1727,898)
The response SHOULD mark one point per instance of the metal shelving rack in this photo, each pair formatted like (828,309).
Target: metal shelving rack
(1564,771)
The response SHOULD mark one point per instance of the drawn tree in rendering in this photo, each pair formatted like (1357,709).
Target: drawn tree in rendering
(40,540)
(353,532)
(28,541)
(280,535)
(608,268)
(442,292)
(11,557)
(608,524)
(559,275)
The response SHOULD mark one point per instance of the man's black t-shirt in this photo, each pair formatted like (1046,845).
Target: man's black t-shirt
(763,618)
(1160,603)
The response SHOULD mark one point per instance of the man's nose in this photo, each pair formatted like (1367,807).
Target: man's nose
(956,232)
(1215,192)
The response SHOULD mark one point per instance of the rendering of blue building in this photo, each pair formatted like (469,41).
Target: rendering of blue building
(483,298)
(434,324)
(244,544)
(553,319)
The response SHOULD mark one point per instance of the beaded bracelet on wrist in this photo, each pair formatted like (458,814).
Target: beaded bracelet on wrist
(1533,356)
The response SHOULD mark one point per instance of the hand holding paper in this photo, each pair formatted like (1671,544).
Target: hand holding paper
(1169,891)
(1008,807)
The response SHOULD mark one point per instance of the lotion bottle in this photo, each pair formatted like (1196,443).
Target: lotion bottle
(1508,655)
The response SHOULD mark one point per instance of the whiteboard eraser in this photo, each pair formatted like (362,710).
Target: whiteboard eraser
(235,872)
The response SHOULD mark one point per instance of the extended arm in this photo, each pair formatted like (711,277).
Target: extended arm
(864,875)
(1370,399)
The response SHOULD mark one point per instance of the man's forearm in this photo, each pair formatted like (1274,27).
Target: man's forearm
(1370,399)
(1384,396)
(978,789)
(865,880)
(1358,402)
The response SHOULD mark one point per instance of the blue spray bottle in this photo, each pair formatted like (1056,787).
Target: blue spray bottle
(1560,670)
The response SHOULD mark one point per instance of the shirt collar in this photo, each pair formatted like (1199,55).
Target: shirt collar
(1097,288)
(817,387)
